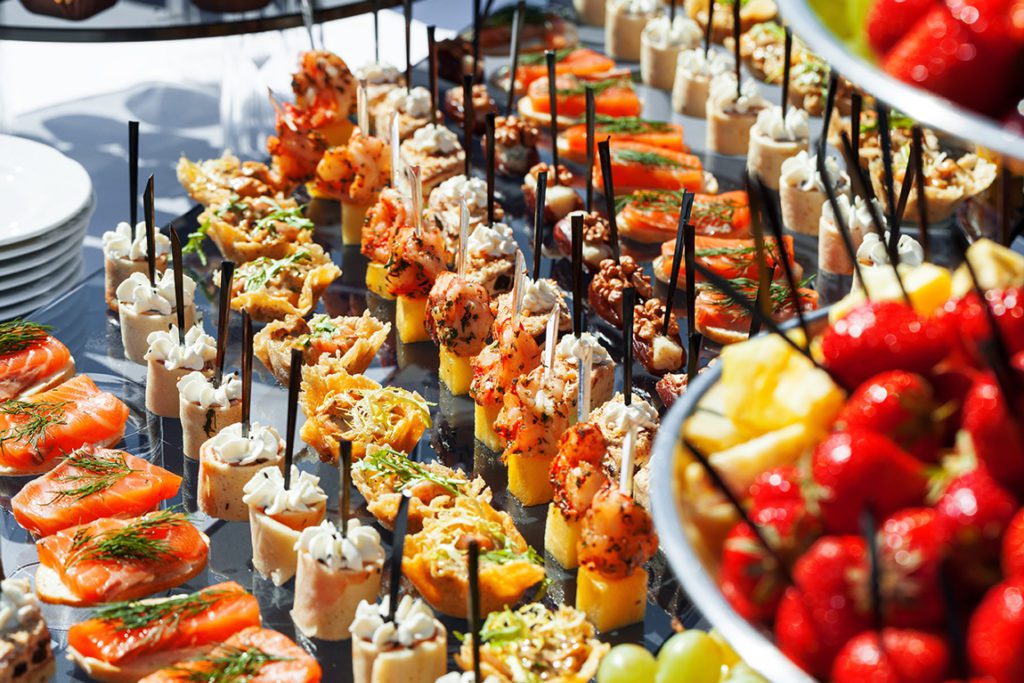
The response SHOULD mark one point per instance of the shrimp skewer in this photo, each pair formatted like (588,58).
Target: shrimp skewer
(354,174)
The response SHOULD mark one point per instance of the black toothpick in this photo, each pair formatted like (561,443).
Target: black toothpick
(246,373)
(830,103)
(477,21)
(736,44)
(628,302)
(885,139)
(709,28)
(133,173)
(407,14)
(474,606)
(685,207)
(786,67)
(468,121)
(917,154)
(490,168)
(432,75)
(538,221)
(513,67)
(227,272)
(179,285)
(603,149)
(905,187)
(549,55)
(696,341)
(294,383)
(397,550)
(856,106)
(590,147)
(376,32)
(150,218)
(345,484)
(576,221)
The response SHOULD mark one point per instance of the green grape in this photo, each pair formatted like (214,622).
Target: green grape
(627,664)
(836,15)
(690,657)
(741,673)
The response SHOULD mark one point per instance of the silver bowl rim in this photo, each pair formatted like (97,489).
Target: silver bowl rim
(749,641)
(917,103)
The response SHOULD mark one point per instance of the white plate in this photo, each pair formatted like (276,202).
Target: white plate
(28,278)
(39,243)
(38,289)
(58,286)
(45,254)
(40,189)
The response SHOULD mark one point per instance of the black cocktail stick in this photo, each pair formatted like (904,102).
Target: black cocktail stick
(609,196)
(590,147)
(685,207)
(538,221)
(432,75)
(246,373)
(576,221)
(830,103)
(549,55)
(474,606)
(885,139)
(150,218)
(490,167)
(133,173)
(517,28)
(786,67)
(179,285)
(294,383)
(628,302)
(917,155)
(407,14)
(736,45)
(227,273)
(345,483)
(468,122)
(709,28)
(477,21)
(856,105)
(905,187)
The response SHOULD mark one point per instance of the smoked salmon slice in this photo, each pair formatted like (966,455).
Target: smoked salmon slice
(653,215)
(729,258)
(253,655)
(572,142)
(721,319)
(577,62)
(643,167)
(31,360)
(119,559)
(89,484)
(35,430)
(198,621)
(613,96)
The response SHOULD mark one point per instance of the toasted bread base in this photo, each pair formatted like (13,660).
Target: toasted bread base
(136,668)
(42,468)
(54,380)
(527,111)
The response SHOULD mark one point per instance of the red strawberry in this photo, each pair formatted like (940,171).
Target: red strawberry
(997,438)
(951,382)
(974,512)
(906,657)
(882,335)
(1013,547)
(828,605)
(971,325)
(964,50)
(900,405)
(888,20)
(995,635)
(857,469)
(776,486)
(911,549)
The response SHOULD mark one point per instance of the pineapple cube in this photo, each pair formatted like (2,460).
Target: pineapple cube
(483,428)
(352,216)
(376,280)
(561,536)
(928,286)
(411,319)
(528,478)
(611,603)
(708,428)
(337,132)
(741,464)
(455,372)
(997,268)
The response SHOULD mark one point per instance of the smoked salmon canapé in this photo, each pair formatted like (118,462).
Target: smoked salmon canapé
(643,167)
(89,484)
(253,655)
(722,320)
(652,216)
(36,430)
(114,559)
(613,96)
(728,258)
(31,360)
(572,143)
(572,61)
(126,641)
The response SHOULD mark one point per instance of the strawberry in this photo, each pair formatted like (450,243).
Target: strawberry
(905,656)
(888,20)
(1013,547)
(951,382)
(964,50)
(882,335)
(911,549)
(902,406)
(974,512)
(995,635)
(971,325)
(857,469)
(776,486)
(828,604)
(996,437)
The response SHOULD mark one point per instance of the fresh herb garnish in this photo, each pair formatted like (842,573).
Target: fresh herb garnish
(291,216)
(256,274)
(135,541)
(779,293)
(539,57)
(17,335)
(165,614)
(195,242)
(897,121)
(38,416)
(233,205)
(628,125)
(386,462)
(101,474)
(635,156)
(598,86)
(228,664)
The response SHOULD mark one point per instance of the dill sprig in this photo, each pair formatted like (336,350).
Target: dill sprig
(17,335)
(256,274)
(628,125)
(635,156)
(668,201)
(165,614)
(228,664)
(35,418)
(539,58)
(779,293)
(292,216)
(598,86)
(386,462)
(132,542)
(100,474)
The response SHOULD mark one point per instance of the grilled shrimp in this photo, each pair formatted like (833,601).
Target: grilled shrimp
(618,535)
(460,315)
(417,258)
(356,171)
(576,472)
(536,413)
(382,221)
(324,81)
(297,148)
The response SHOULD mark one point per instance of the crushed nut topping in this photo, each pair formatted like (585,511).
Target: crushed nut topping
(648,318)
(512,131)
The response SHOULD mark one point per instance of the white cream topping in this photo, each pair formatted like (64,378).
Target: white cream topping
(197,388)
(635,6)
(262,445)
(639,414)
(376,73)
(434,139)
(137,295)
(684,33)
(19,605)
(465,677)
(858,219)
(874,252)
(796,125)
(119,243)
(199,348)
(693,62)
(540,296)
(491,241)
(570,347)
(354,551)
(266,491)
(667,353)
(802,171)
(413,624)
(723,94)
(448,194)
(415,102)
(595,253)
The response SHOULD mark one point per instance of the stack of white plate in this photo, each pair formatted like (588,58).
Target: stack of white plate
(46,201)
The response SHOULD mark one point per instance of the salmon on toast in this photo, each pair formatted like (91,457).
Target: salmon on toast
(572,143)
(34,431)
(31,359)
(653,215)
(722,320)
(642,167)
(88,484)
(575,61)
(613,96)
(729,258)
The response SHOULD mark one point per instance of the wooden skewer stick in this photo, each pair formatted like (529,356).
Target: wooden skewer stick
(294,382)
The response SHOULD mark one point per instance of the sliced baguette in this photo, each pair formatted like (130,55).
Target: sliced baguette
(47,383)
(49,464)
(527,111)
(137,667)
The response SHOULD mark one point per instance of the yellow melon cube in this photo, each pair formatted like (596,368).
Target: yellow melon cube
(376,277)
(561,536)
(611,603)
(483,428)
(352,216)
(740,464)
(528,478)
(411,319)
(455,372)
(708,428)
(928,286)
(996,266)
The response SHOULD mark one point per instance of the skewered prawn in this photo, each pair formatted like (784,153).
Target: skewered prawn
(576,473)
(417,258)
(459,314)
(382,222)
(355,172)
(324,82)
(298,147)
(618,535)
(536,411)
(513,352)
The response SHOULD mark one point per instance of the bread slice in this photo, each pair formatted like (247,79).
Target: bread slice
(527,111)
(46,466)
(137,667)
(47,383)
(51,588)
